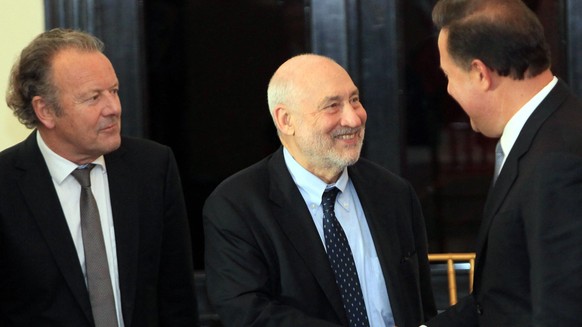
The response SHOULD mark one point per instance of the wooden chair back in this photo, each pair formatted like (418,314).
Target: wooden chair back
(451,259)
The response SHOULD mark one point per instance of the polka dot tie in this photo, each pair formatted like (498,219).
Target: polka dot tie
(342,262)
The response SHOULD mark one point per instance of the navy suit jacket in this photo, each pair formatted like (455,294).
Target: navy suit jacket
(265,262)
(529,248)
(41,282)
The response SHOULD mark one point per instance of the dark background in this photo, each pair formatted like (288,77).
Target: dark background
(194,74)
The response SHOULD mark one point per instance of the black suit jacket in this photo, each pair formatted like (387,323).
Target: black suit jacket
(529,249)
(41,283)
(266,265)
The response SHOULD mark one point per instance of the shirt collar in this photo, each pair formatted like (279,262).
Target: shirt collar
(516,123)
(312,185)
(59,167)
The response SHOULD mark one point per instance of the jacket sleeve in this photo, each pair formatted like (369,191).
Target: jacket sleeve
(553,227)
(462,314)
(239,280)
(426,293)
(176,294)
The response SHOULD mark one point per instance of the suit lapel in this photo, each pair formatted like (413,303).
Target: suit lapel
(509,173)
(38,190)
(292,214)
(124,207)
(385,232)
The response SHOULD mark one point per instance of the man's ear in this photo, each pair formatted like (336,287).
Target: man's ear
(44,112)
(283,120)
(481,74)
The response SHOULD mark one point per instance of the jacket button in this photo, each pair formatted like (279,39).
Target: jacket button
(479,310)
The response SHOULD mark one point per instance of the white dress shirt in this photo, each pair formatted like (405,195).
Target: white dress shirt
(69,192)
(350,215)
(515,124)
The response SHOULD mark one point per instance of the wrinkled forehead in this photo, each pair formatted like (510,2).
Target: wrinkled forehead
(327,77)
(74,69)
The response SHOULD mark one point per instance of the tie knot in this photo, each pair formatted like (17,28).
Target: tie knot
(329,196)
(83,175)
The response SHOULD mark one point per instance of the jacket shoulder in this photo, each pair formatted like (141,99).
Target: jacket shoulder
(137,144)
(372,172)
(252,178)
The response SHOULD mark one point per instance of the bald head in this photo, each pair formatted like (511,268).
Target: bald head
(297,77)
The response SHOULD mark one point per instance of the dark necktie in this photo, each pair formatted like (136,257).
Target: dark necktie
(342,262)
(98,279)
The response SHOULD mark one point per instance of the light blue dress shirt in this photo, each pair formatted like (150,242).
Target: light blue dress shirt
(350,215)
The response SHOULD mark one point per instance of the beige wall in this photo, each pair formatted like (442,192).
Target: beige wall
(21,21)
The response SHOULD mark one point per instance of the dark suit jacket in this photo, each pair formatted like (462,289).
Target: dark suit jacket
(529,249)
(266,265)
(41,283)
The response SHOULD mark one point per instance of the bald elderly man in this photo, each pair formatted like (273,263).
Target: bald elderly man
(273,244)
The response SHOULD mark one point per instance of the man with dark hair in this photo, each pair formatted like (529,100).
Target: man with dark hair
(93,227)
(313,235)
(529,247)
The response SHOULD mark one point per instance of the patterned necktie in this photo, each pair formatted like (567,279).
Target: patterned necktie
(498,160)
(342,262)
(98,279)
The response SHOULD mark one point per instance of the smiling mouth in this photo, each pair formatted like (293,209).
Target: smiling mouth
(347,133)
(346,136)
